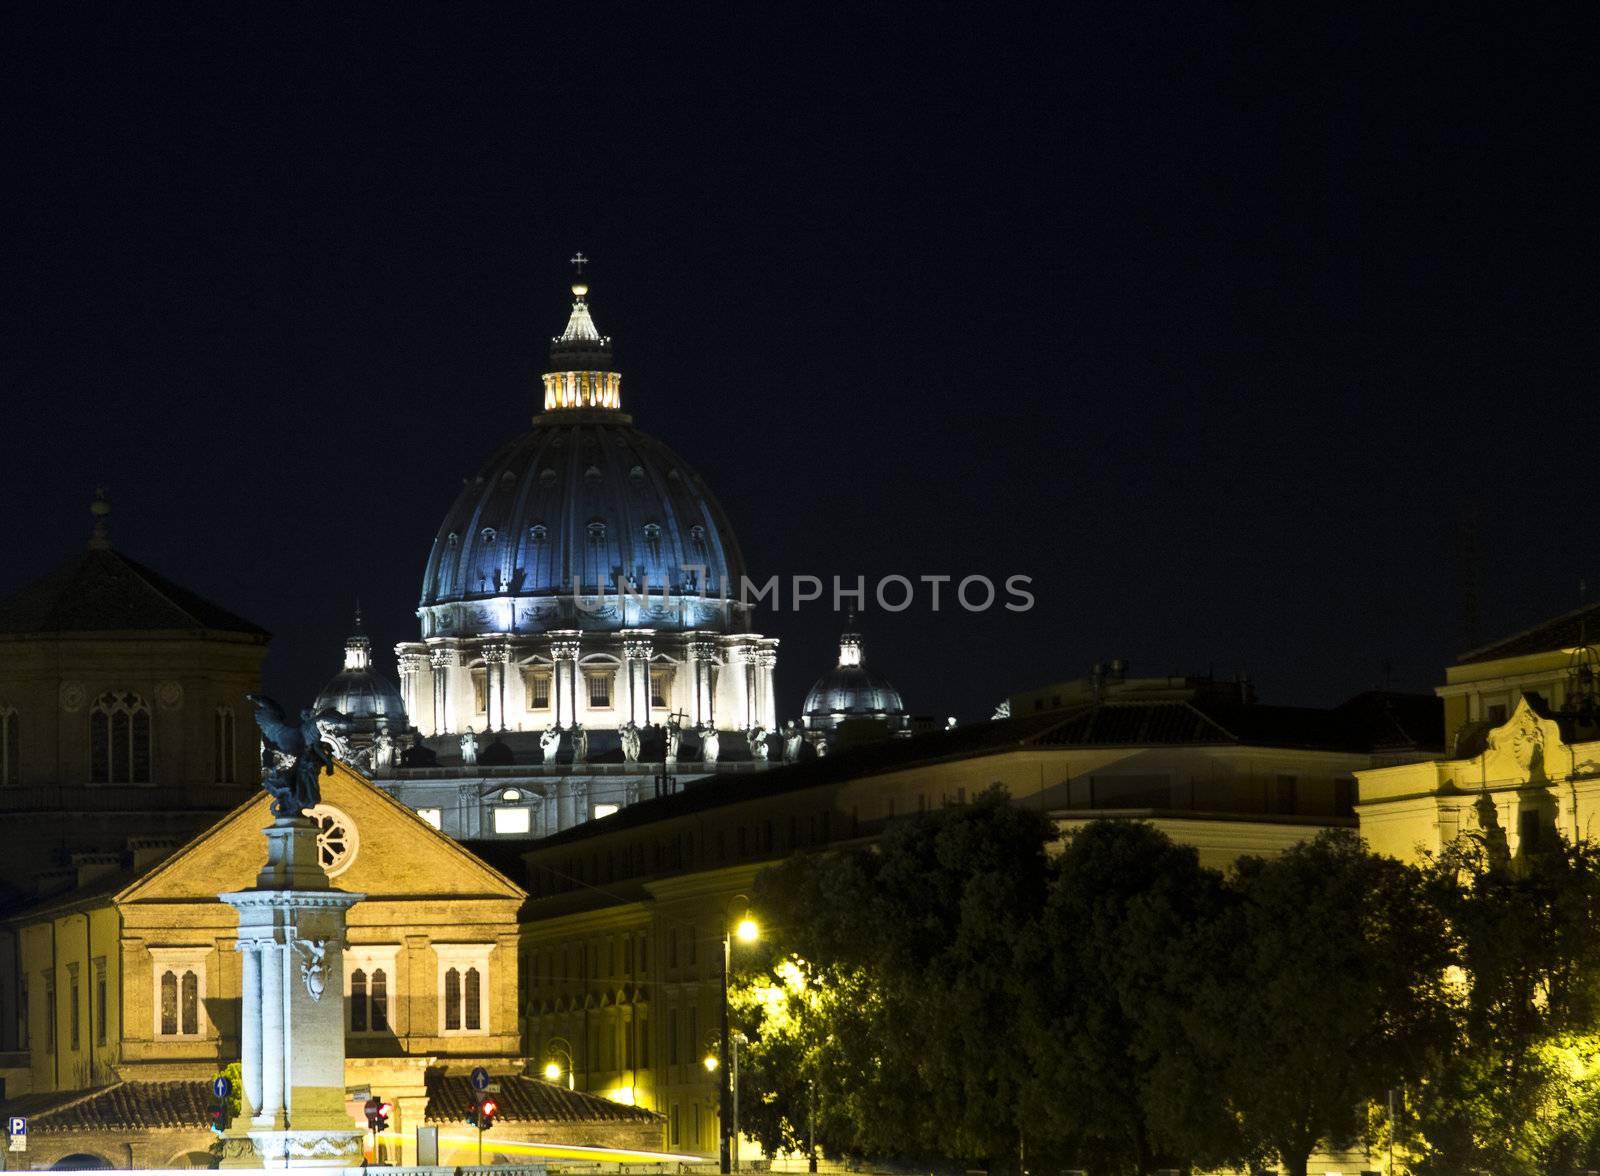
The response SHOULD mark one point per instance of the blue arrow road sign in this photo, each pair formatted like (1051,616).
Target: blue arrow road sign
(221,1087)
(480,1078)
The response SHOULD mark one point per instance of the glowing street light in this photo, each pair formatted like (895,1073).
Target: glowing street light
(747,932)
(711,1063)
(560,1051)
(552,1071)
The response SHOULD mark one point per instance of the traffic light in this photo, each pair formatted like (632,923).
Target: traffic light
(485,1113)
(219,1119)
(378,1113)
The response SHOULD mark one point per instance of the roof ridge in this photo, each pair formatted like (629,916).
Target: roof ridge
(1531,629)
(87,1096)
(1189,703)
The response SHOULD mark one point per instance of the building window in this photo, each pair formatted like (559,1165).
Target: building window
(366,986)
(513,821)
(480,691)
(537,687)
(10,746)
(1496,713)
(604,810)
(222,740)
(674,1118)
(50,1012)
(433,816)
(672,1037)
(179,974)
(74,1004)
(463,976)
(100,1001)
(660,684)
(1284,794)
(338,842)
(600,689)
(119,739)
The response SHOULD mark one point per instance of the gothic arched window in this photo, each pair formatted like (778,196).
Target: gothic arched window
(380,1001)
(190,999)
(358,1001)
(169,1004)
(119,739)
(452,999)
(472,999)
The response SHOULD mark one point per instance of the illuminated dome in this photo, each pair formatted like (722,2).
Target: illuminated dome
(369,700)
(583,497)
(853,691)
(584,585)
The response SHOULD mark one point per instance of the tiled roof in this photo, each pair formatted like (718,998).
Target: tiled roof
(105,591)
(523,1099)
(1568,631)
(122,1106)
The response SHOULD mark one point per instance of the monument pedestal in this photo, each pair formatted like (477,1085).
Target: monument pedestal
(291,937)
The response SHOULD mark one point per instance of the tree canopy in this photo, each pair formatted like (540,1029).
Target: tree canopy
(975,989)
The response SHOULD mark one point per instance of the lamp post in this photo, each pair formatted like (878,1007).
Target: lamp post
(558,1047)
(748,932)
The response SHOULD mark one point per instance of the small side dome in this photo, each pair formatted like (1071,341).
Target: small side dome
(369,700)
(852,691)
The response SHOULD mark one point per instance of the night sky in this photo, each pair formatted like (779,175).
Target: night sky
(1224,327)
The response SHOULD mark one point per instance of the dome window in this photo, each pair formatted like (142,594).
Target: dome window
(487,535)
(538,533)
(511,794)
(592,473)
(597,531)
(547,476)
(454,539)
(637,473)
(508,476)
(652,539)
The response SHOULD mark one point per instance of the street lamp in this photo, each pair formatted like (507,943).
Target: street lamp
(558,1047)
(747,932)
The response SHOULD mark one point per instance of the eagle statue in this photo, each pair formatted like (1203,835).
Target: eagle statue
(294,754)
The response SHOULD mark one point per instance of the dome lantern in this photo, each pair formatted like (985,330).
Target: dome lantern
(581,375)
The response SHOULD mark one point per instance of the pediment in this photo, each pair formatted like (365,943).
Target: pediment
(1519,749)
(395,853)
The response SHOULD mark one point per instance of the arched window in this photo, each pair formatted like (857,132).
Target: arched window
(472,1001)
(10,749)
(190,986)
(169,1004)
(223,740)
(119,739)
(358,1001)
(452,999)
(380,1001)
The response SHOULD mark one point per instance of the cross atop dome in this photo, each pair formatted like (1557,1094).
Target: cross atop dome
(580,374)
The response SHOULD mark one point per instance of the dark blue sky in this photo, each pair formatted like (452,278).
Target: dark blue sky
(1216,324)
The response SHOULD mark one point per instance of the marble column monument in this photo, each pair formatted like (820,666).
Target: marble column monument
(292,938)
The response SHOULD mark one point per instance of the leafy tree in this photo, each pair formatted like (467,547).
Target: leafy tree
(904,1025)
(1521,1093)
(1119,949)
(1334,990)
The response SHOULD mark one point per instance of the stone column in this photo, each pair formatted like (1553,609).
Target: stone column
(564,647)
(416,685)
(496,656)
(291,931)
(767,692)
(636,652)
(699,652)
(441,661)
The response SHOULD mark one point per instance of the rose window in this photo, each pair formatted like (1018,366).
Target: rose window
(337,840)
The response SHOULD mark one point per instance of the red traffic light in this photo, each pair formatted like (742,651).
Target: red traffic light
(378,1113)
(489,1107)
(219,1120)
